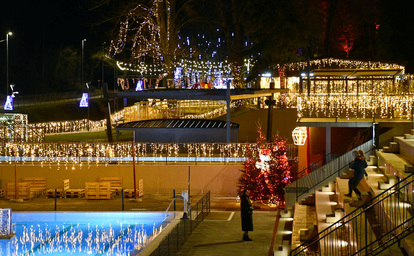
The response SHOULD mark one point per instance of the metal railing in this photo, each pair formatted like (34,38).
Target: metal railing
(119,153)
(308,183)
(371,228)
(180,233)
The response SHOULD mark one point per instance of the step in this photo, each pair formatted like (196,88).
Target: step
(375,175)
(329,188)
(393,164)
(408,136)
(358,202)
(308,233)
(372,160)
(287,213)
(408,245)
(406,148)
(348,174)
(391,181)
(309,200)
(303,216)
(334,217)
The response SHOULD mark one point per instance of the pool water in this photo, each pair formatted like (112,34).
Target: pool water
(82,233)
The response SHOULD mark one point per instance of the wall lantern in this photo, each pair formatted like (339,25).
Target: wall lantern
(299,135)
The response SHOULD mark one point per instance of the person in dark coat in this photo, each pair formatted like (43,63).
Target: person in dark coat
(246,209)
(359,165)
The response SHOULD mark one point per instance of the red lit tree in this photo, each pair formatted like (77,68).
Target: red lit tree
(267,171)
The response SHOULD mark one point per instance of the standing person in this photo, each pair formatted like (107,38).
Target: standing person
(246,209)
(359,164)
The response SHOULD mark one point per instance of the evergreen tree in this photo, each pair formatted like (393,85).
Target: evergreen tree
(267,171)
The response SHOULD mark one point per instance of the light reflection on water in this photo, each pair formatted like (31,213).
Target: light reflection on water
(80,233)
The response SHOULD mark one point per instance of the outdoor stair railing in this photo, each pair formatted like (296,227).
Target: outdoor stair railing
(308,183)
(369,229)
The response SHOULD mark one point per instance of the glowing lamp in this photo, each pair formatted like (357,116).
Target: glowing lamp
(9,103)
(84,101)
(299,135)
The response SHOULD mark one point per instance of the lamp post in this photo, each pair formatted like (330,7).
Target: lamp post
(83,46)
(7,61)
(87,85)
(82,60)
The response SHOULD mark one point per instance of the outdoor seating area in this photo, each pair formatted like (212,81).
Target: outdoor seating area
(98,190)
(106,188)
(23,191)
(115,183)
(65,191)
(37,186)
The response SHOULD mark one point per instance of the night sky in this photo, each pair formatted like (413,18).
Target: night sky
(43,28)
(38,27)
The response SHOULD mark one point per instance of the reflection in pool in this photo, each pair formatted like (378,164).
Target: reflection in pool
(82,233)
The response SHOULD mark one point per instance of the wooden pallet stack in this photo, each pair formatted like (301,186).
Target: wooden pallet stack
(59,192)
(73,192)
(140,190)
(23,191)
(116,183)
(37,186)
(98,190)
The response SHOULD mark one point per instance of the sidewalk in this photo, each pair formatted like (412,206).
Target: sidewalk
(220,234)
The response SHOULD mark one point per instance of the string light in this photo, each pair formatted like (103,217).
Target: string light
(342,63)
(70,154)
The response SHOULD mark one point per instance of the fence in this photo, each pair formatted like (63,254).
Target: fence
(105,153)
(308,183)
(371,228)
(179,234)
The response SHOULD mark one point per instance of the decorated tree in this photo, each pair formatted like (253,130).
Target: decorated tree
(267,171)
(153,30)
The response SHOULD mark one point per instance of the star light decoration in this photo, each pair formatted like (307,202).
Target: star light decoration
(263,161)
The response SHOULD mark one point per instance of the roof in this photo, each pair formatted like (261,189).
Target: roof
(176,124)
(355,72)
(199,94)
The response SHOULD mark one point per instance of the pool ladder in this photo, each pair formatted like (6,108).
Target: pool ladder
(184,196)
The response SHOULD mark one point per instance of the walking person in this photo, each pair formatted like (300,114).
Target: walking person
(246,209)
(359,164)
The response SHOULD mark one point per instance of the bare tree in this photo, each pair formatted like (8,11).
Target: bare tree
(153,30)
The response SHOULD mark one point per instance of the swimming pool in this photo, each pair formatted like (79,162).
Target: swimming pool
(82,233)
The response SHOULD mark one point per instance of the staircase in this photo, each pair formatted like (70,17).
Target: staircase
(318,178)
(379,223)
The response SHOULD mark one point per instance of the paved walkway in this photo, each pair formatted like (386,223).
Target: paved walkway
(219,234)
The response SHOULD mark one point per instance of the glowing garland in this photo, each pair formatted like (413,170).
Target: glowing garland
(342,63)
(69,155)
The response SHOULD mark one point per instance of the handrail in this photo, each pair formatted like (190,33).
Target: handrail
(335,167)
(174,240)
(330,154)
(121,152)
(389,225)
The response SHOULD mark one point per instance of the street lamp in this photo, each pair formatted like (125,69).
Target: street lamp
(87,85)
(7,59)
(83,46)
